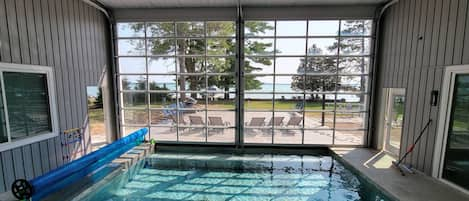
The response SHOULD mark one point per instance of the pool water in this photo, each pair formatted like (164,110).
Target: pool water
(167,176)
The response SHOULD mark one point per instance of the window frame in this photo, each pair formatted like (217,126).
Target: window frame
(26,68)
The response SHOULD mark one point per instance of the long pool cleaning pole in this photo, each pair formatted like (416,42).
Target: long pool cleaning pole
(411,148)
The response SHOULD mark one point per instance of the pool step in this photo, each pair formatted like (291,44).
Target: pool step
(134,155)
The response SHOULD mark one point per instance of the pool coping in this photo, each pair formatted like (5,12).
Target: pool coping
(363,176)
(375,166)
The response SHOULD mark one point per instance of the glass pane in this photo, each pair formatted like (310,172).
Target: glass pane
(323,28)
(221,101)
(398,105)
(368,27)
(319,65)
(319,102)
(190,47)
(133,82)
(259,83)
(259,46)
(318,83)
(221,83)
(136,29)
(221,46)
(192,101)
(259,65)
(132,65)
(352,84)
(288,136)
(161,47)
(355,27)
(322,46)
(288,102)
(221,65)
(131,47)
(162,82)
(191,64)
(288,84)
(289,65)
(226,135)
(291,46)
(27,99)
(163,100)
(291,28)
(255,127)
(190,29)
(163,65)
(160,29)
(164,133)
(163,118)
(355,46)
(351,102)
(259,28)
(134,100)
(219,123)
(258,101)
(221,28)
(354,65)
(192,83)
(135,116)
(195,129)
(344,120)
(318,137)
(319,120)
(456,166)
(349,137)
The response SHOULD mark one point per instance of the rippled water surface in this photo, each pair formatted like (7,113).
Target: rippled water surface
(232,177)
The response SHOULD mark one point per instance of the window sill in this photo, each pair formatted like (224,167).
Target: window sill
(11,145)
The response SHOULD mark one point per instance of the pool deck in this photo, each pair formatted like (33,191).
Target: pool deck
(376,166)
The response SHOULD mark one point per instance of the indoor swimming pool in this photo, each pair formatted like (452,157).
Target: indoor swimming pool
(204,177)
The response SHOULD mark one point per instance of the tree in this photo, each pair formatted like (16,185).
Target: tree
(318,65)
(98,102)
(214,46)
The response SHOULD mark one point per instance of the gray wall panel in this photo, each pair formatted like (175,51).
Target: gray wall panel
(28,161)
(68,35)
(418,64)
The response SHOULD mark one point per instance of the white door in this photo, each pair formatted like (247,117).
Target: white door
(394,119)
(452,145)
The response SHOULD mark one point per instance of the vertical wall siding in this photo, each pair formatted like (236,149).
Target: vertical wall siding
(420,38)
(71,37)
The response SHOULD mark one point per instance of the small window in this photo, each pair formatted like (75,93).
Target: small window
(25,106)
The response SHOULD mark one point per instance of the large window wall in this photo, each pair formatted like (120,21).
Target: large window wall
(304,81)
(177,78)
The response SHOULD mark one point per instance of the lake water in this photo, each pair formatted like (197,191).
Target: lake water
(283,91)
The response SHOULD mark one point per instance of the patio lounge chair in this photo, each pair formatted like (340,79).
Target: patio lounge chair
(294,121)
(181,120)
(196,121)
(276,121)
(256,122)
(218,122)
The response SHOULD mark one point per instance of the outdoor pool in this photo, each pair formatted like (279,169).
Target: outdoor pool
(169,176)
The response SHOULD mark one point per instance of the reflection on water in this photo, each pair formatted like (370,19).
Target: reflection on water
(238,177)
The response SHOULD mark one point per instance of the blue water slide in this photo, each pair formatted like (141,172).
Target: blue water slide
(59,178)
